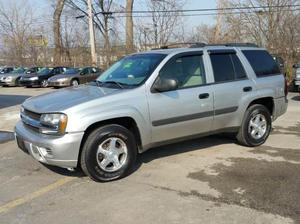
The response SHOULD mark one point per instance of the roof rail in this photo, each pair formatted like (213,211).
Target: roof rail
(178,45)
(200,44)
(241,45)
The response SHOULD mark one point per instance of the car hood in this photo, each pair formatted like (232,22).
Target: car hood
(30,75)
(13,74)
(64,99)
(61,76)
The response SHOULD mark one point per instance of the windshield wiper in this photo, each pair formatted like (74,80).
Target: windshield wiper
(112,82)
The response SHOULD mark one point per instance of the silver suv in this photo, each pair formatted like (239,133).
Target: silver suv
(154,98)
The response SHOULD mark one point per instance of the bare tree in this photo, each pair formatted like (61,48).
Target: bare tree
(102,17)
(272,27)
(129,26)
(162,26)
(58,50)
(16,19)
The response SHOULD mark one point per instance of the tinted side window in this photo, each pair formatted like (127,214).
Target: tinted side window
(187,70)
(262,62)
(238,67)
(94,70)
(85,71)
(223,67)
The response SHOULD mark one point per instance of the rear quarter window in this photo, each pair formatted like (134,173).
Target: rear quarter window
(262,62)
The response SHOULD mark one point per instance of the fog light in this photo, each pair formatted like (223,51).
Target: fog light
(45,152)
(40,153)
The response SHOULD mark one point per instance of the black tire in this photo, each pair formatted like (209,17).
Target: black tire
(44,84)
(88,158)
(243,136)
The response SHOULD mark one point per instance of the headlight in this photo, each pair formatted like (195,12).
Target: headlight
(34,78)
(8,79)
(53,123)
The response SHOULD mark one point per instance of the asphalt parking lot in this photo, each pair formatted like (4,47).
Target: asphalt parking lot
(208,180)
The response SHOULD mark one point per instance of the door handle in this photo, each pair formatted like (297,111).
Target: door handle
(247,89)
(203,96)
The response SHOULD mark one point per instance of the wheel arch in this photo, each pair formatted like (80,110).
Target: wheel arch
(126,121)
(268,102)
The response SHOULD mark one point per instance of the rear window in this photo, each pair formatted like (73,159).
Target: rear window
(262,62)
(227,67)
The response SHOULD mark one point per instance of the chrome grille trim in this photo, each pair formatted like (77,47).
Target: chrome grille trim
(31,119)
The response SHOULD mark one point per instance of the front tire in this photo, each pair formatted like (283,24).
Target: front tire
(74,82)
(109,153)
(256,126)
(44,83)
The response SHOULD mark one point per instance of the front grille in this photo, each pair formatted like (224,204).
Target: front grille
(31,119)
(32,115)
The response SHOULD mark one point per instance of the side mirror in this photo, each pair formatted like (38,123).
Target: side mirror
(164,85)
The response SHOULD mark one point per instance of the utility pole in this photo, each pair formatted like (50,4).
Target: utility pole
(92,33)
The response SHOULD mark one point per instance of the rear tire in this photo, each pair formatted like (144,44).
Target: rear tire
(108,153)
(256,126)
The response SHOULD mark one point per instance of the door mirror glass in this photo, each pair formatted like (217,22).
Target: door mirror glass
(164,84)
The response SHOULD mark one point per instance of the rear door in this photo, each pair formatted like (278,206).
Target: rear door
(187,110)
(94,73)
(83,75)
(231,85)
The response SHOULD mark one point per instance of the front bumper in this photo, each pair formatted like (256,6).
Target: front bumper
(58,84)
(8,83)
(59,151)
(30,83)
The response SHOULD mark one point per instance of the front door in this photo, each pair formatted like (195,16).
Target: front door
(187,110)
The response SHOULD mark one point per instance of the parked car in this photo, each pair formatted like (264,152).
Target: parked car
(12,78)
(153,98)
(74,77)
(279,60)
(6,79)
(296,81)
(6,70)
(40,78)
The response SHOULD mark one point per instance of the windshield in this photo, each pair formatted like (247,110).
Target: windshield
(72,71)
(18,70)
(132,70)
(44,71)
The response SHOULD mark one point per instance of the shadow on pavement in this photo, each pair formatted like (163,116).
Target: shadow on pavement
(11,100)
(65,172)
(296,98)
(6,136)
(186,146)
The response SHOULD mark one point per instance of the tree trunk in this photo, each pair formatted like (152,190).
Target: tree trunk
(58,49)
(129,26)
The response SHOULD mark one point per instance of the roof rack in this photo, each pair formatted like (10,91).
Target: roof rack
(177,45)
(200,44)
(241,45)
